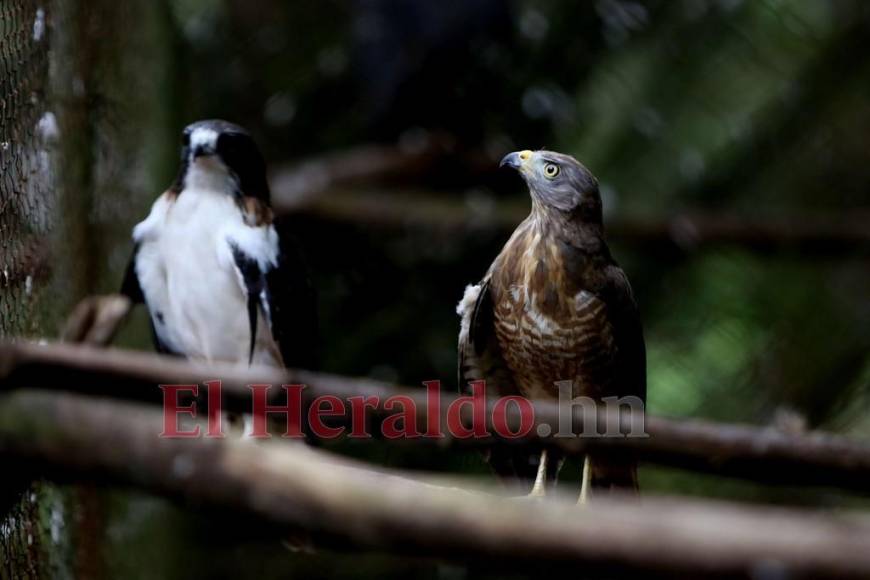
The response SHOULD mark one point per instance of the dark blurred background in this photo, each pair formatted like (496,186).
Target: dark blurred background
(730,138)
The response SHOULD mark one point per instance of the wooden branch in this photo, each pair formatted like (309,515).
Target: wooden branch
(96,319)
(752,453)
(295,185)
(295,486)
(839,232)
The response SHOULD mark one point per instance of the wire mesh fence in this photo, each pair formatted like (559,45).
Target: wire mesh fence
(26,193)
(27,201)
(83,107)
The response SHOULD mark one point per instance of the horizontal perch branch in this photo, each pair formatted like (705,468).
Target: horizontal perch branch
(364,164)
(758,454)
(321,186)
(826,234)
(295,486)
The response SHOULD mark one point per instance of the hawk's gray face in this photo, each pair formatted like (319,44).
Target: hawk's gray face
(554,179)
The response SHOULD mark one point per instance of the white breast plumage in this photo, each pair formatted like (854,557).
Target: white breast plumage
(193,289)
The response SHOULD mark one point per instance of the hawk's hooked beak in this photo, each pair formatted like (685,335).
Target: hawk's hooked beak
(202,151)
(516,160)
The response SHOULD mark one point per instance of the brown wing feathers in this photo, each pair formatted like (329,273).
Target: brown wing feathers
(559,309)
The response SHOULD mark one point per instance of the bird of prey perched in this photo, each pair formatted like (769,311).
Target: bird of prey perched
(555,306)
(217,279)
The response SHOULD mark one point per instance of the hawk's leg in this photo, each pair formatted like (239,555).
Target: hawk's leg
(585,481)
(539,489)
(548,470)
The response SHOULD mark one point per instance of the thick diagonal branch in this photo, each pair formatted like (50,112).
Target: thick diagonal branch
(295,486)
(758,454)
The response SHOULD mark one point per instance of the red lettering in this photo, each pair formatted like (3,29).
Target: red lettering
(433,409)
(215,405)
(403,423)
(292,410)
(358,406)
(334,408)
(499,417)
(172,409)
(477,400)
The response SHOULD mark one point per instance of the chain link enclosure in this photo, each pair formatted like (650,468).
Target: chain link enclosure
(87,140)
(27,201)
(26,195)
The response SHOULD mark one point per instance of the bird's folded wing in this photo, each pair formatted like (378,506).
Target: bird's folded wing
(276,283)
(630,362)
(480,357)
(253,279)
(292,305)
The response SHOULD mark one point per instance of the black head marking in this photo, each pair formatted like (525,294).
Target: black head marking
(234,147)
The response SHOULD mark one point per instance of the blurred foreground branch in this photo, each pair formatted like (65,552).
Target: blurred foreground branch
(758,454)
(293,486)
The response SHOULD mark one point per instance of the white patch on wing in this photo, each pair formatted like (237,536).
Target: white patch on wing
(469,299)
(465,310)
(193,289)
(485,365)
(258,243)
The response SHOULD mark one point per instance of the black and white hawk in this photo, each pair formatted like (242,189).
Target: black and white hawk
(220,282)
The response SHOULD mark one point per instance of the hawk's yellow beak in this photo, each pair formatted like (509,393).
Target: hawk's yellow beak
(516,160)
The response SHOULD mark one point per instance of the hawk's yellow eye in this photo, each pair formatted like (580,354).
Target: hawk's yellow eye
(551,170)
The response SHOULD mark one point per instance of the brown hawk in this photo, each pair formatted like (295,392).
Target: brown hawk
(554,306)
